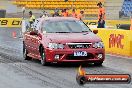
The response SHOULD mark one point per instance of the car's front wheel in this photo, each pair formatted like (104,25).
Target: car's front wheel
(25,53)
(43,58)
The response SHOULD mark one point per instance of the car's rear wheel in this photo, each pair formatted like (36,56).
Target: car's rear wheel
(43,58)
(25,53)
(98,63)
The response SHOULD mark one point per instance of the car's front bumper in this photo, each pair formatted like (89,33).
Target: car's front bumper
(67,55)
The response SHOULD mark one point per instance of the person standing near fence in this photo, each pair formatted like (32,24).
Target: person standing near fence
(80,15)
(101,15)
(23,11)
(74,13)
(101,11)
(65,13)
(32,18)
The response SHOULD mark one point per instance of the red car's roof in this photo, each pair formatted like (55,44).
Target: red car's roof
(59,18)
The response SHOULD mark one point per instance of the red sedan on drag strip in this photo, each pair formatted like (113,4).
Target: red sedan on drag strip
(63,39)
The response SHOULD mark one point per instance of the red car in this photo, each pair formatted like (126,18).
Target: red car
(63,39)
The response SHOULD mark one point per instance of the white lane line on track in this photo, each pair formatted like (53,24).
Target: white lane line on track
(119,56)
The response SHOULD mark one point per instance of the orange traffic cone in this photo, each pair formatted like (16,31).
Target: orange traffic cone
(14,34)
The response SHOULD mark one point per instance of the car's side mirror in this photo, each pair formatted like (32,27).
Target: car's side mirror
(35,32)
(95,31)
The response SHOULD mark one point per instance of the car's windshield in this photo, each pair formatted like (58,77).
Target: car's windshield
(65,27)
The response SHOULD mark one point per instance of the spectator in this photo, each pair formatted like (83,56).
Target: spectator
(74,13)
(56,13)
(64,13)
(23,11)
(80,15)
(44,15)
(32,18)
(101,12)
(67,12)
(56,10)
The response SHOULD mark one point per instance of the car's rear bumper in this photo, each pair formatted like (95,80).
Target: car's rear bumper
(66,55)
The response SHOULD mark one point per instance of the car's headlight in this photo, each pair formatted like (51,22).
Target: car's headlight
(98,45)
(55,46)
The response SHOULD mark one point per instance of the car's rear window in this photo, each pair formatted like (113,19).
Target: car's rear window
(65,26)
